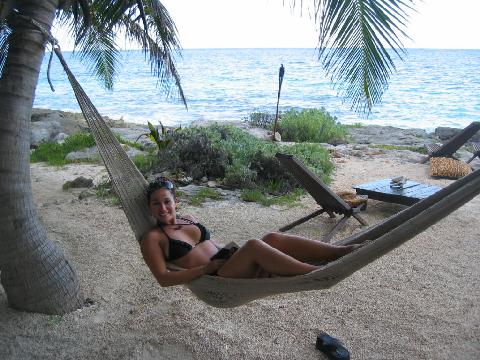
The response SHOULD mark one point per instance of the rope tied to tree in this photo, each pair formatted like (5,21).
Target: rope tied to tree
(50,39)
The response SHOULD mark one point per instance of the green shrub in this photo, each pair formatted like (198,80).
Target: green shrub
(238,159)
(54,153)
(202,195)
(145,163)
(261,119)
(315,157)
(311,125)
(254,195)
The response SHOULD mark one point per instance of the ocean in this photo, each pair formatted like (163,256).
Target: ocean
(431,88)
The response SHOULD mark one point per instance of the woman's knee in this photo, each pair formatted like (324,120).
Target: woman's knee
(252,244)
(272,238)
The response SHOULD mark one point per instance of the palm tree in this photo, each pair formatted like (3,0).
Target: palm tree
(36,276)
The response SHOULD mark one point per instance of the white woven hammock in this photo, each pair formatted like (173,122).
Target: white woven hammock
(129,185)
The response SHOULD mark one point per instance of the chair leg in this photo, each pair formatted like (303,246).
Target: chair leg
(337,226)
(473,157)
(360,219)
(301,220)
(330,213)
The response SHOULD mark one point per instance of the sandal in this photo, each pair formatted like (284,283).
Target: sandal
(332,347)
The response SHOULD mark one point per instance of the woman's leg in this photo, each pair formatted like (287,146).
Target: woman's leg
(304,249)
(245,262)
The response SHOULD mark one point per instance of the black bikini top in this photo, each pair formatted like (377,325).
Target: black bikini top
(179,248)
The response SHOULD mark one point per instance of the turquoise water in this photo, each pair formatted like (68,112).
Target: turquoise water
(431,88)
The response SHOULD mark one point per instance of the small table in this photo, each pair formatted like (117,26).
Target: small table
(411,192)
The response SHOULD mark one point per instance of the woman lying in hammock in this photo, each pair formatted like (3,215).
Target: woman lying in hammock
(185,242)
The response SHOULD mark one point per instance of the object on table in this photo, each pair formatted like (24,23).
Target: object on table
(398,182)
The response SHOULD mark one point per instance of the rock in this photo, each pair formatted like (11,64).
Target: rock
(68,121)
(60,137)
(79,182)
(91,154)
(212,184)
(389,135)
(444,133)
(134,134)
(85,194)
(44,131)
(185,180)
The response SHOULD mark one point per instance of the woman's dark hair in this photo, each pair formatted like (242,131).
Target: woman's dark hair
(160,182)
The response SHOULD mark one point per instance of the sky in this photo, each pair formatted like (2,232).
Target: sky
(443,24)
(270,23)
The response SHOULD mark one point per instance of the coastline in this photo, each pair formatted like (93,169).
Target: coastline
(418,302)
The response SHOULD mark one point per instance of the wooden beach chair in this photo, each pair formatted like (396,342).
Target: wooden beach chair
(448,148)
(329,202)
(476,151)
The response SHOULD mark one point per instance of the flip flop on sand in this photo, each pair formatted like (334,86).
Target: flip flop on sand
(332,347)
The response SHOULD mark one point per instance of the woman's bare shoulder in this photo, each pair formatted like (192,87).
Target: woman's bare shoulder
(153,236)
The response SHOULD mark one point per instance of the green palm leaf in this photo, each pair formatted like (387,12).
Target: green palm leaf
(354,41)
(143,22)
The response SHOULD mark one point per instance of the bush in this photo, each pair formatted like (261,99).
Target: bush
(311,125)
(238,159)
(261,119)
(54,153)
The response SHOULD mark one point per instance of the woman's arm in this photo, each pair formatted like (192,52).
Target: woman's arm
(155,259)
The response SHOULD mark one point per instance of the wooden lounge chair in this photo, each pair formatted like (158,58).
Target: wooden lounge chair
(449,148)
(476,151)
(330,202)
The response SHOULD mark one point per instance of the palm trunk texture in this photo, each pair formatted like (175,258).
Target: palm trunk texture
(34,273)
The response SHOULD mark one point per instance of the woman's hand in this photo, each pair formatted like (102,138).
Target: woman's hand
(213,266)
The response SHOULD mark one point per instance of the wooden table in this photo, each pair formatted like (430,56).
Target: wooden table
(411,192)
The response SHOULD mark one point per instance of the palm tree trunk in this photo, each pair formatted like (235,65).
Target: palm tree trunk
(35,274)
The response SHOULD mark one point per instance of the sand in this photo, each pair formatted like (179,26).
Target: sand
(421,301)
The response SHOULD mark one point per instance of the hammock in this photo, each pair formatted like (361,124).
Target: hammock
(129,185)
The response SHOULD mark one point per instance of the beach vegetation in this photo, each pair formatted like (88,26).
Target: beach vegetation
(290,199)
(238,159)
(161,138)
(54,153)
(104,190)
(311,125)
(356,125)
(202,195)
(145,163)
(261,119)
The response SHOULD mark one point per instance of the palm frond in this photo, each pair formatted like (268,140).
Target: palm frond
(357,39)
(161,60)
(160,43)
(99,47)
(144,22)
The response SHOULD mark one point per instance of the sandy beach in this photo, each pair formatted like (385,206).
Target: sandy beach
(421,301)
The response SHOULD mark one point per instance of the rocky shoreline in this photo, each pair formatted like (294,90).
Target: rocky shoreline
(56,125)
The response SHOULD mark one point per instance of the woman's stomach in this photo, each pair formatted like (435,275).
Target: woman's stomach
(199,255)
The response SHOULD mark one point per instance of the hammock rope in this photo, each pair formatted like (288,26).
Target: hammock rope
(129,185)
(128,182)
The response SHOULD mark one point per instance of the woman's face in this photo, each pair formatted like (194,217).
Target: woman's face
(163,206)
